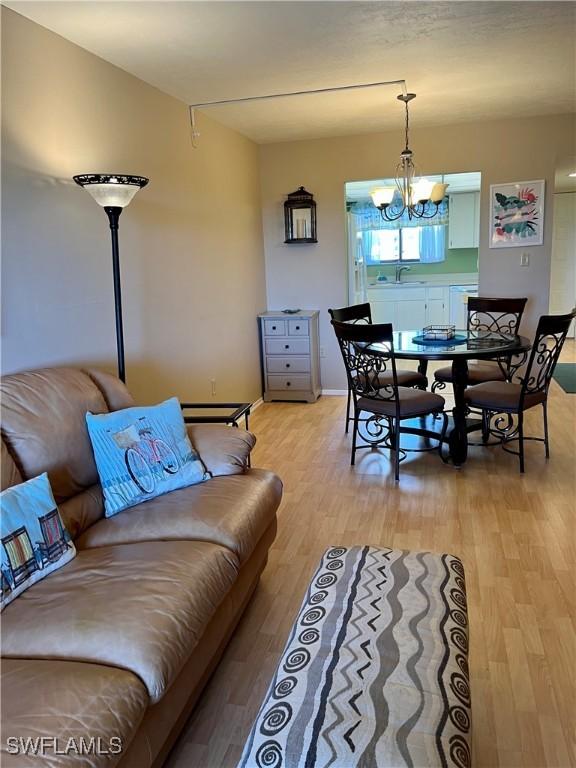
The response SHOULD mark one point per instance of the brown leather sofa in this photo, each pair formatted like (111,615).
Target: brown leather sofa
(121,640)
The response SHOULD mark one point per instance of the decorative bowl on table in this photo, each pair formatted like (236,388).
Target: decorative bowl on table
(438,332)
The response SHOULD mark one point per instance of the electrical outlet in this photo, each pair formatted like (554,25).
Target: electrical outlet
(524,259)
(213,387)
(322,352)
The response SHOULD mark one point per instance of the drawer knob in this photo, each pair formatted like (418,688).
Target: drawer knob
(287,365)
(286,346)
(297,327)
(273,327)
(287,383)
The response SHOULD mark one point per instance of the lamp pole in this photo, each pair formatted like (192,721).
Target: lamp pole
(113,192)
(113,212)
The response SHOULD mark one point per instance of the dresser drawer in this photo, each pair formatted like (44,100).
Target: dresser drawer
(289,382)
(291,364)
(287,346)
(274,328)
(298,327)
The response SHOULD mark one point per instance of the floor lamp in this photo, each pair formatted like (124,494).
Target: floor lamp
(113,192)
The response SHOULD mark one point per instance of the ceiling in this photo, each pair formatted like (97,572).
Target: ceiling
(467,61)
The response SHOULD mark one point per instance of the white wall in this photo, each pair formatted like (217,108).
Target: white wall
(190,243)
(315,276)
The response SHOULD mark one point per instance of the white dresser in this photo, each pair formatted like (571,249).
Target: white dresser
(290,355)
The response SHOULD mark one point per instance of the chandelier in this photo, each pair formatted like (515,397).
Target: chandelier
(416,197)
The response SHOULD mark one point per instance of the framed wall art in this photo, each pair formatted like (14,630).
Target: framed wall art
(517,214)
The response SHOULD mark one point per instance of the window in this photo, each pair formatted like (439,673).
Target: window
(395,245)
(385,245)
(425,244)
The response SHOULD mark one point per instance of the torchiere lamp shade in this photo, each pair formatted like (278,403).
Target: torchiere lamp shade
(114,191)
(111,190)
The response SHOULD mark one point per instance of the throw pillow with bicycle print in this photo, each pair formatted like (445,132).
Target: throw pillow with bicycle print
(141,453)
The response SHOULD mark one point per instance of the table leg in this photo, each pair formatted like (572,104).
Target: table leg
(423,367)
(458,438)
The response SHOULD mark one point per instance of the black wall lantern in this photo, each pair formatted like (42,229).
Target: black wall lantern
(300,217)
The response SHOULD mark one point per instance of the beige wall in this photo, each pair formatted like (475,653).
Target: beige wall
(190,243)
(315,276)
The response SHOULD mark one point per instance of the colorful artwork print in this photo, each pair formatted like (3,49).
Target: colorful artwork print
(516,214)
(34,541)
(142,453)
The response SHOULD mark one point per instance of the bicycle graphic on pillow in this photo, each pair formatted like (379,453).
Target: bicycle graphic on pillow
(146,456)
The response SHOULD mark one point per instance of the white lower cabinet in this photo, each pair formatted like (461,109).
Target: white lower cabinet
(437,312)
(410,314)
(383,311)
(410,308)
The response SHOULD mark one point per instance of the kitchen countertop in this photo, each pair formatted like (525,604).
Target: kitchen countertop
(408,280)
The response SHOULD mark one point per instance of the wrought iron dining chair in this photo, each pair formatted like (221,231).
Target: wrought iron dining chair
(389,403)
(500,401)
(495,316)
(362,313)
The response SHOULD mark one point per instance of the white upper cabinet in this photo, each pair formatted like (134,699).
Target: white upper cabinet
(464,220)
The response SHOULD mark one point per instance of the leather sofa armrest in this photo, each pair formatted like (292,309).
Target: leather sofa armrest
(223,449)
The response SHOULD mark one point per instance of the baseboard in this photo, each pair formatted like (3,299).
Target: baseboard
(256,404)
(340,392)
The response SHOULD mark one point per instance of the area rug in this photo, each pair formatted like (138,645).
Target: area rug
(565,375)
(375,670)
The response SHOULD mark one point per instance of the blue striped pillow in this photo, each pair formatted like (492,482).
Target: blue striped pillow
(141,453)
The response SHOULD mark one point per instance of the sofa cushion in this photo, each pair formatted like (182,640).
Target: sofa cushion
(114,391)
(44,427)
(82,510)
(34,540)
(141,453)
(223,449)
(9,472)
(231,511)
(76,701)
(140,607)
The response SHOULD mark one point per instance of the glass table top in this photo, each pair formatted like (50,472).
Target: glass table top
(474,344)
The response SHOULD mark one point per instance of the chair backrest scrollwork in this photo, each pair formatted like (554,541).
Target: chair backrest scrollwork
(368,354)
(548,342)
(495,315)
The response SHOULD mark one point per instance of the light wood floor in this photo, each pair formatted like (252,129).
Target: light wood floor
(515,535)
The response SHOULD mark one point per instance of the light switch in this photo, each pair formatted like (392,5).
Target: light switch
(524,259)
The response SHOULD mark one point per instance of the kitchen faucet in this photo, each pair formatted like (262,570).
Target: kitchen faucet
(399,271)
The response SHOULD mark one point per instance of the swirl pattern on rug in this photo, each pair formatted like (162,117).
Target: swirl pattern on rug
(375,671)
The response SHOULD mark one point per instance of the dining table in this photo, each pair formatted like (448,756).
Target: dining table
(466,345)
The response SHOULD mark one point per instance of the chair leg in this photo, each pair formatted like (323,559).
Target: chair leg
(397,451)
(348,411)
(443,433)
(485,426)
(521,440)
(354,433)
(546,441)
